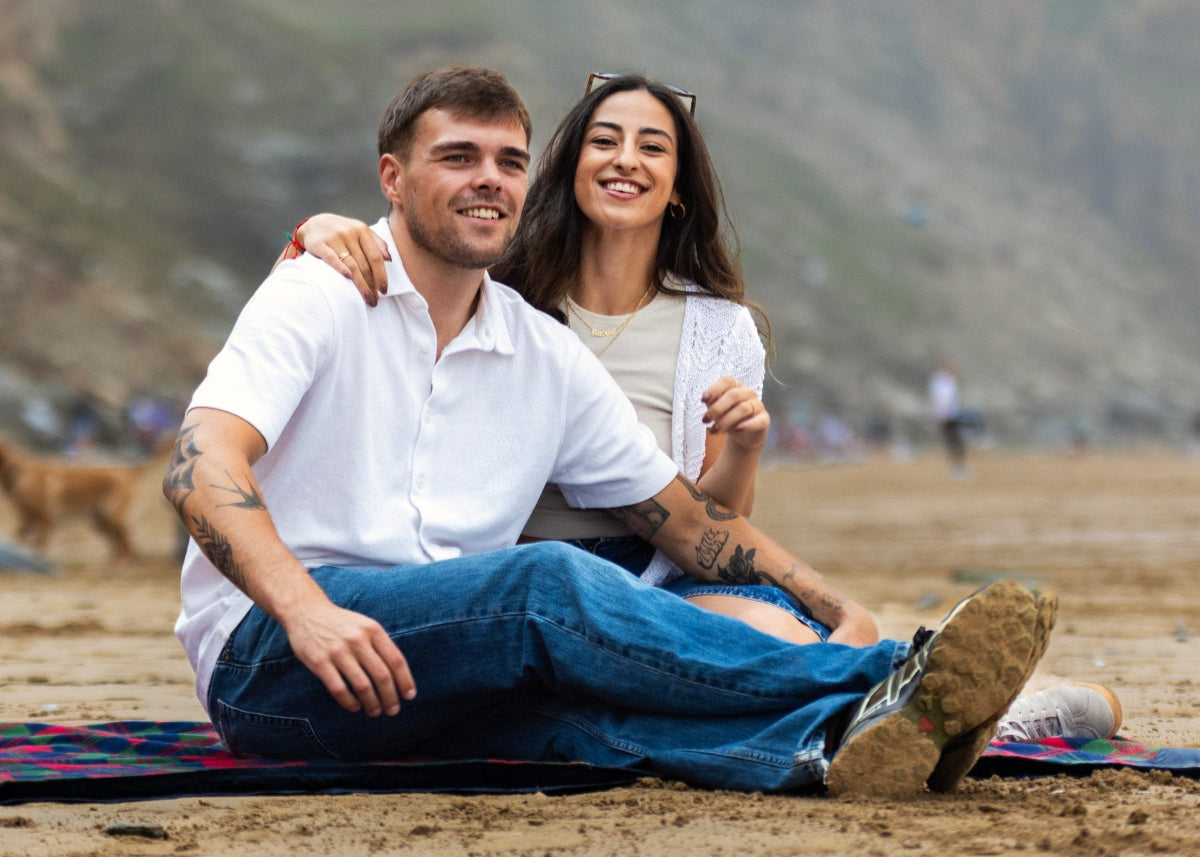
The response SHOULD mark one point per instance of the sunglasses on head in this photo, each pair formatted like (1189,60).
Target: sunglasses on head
(599,78)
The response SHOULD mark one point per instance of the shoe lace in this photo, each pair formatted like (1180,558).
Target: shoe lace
(1026,720)
(920,638)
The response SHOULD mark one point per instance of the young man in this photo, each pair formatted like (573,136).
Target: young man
(400,450)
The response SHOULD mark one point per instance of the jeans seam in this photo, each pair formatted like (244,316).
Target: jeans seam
(636,749)
(225,710)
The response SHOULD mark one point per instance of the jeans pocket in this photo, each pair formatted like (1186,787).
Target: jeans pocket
(248,733)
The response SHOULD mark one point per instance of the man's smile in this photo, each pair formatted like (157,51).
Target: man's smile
(482,213)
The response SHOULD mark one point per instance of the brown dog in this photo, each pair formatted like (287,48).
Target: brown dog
(46,490)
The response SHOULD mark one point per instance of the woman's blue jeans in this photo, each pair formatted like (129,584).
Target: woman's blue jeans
(545,653)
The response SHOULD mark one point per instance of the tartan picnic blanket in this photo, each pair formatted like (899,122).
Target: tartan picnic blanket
(138,760)
(1081,756)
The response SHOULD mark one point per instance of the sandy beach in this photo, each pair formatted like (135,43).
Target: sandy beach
(1117,535)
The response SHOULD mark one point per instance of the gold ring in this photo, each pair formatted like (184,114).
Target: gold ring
(343,256)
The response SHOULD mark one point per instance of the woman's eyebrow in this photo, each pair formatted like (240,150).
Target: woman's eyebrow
(618,127)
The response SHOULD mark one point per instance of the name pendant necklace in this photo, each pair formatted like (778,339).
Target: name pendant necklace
(573,309)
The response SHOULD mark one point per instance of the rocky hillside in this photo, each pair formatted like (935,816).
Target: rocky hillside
(1011,186)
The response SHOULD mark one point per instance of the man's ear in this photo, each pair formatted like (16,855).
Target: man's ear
(391,179)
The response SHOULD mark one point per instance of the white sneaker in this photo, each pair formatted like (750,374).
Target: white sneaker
(1072,710)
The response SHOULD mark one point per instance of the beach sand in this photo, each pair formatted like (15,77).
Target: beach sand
(1117,535)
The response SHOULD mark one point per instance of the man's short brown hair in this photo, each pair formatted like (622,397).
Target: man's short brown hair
(464,91)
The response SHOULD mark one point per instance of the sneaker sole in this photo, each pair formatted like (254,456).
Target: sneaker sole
(978,663)
(960,755)
(1113,702)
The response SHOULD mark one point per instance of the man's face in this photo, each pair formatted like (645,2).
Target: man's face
(464,184)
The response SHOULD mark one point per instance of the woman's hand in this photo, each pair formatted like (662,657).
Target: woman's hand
(737,411)
(350,248)
(734,414)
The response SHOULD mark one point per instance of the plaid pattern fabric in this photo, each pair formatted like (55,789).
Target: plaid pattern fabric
(34,751)
(134,760)
(1082,756)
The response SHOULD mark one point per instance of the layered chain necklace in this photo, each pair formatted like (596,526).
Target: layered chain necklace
(573,309)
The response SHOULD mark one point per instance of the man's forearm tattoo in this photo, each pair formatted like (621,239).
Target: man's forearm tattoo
(177,483)
(645,518)
(214,543)
(711,544)
(829,601)
(714,511)
(218,550)
(250,498)
(740,568)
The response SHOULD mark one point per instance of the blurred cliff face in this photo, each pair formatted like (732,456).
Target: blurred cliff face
(1010,185)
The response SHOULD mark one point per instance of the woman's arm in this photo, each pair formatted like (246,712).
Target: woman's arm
(346,245)
(738,423)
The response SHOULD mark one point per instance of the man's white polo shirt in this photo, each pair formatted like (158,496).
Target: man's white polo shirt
(380,454)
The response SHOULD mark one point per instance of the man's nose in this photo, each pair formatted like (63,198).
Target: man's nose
(488,174)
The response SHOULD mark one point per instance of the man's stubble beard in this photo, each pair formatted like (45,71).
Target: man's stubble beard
(448,246)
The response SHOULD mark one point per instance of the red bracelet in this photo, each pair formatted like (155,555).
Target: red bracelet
(294,242)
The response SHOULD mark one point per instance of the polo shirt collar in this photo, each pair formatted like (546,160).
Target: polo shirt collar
(488,328)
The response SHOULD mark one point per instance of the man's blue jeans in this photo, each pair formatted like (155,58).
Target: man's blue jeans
(544,652)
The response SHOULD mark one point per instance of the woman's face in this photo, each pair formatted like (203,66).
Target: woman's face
(626,171)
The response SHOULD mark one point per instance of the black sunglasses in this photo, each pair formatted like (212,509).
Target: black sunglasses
(597,78)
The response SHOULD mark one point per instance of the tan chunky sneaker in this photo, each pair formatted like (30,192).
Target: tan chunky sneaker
(959,678)
(960,755)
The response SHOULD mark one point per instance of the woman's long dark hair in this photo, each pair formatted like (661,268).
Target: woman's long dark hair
(544,258)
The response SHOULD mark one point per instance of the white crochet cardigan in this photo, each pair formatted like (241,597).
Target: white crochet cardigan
(719,338)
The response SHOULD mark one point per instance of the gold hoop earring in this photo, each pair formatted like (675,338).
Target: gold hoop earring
(677,210)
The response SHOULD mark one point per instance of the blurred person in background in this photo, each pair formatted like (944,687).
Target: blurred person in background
(947,411)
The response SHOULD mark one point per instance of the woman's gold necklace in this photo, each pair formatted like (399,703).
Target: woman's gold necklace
(573,309)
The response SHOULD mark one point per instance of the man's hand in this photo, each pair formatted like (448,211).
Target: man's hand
(353,657)
(211,483)
(857,628)
(711,543)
